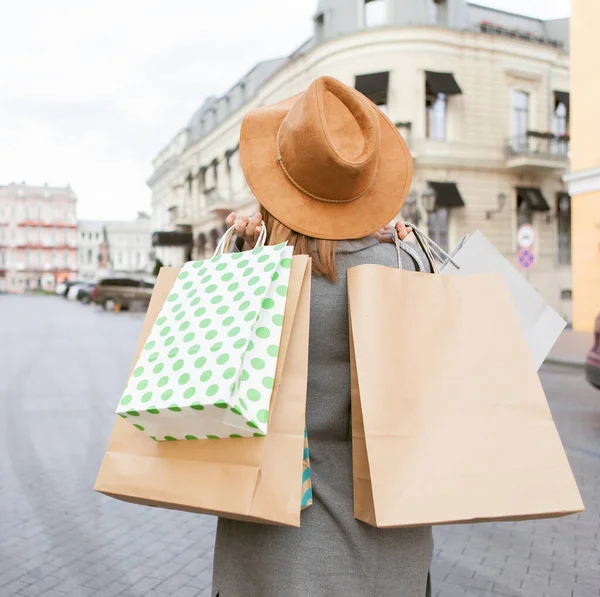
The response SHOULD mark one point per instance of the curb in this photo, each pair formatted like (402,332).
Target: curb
(565,362)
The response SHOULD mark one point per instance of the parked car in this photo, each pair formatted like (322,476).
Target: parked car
(73,291)
(84,292)
(68,284)
(60,289)
(592,363)
(125,292)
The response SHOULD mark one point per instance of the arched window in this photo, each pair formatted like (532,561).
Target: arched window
(375,13)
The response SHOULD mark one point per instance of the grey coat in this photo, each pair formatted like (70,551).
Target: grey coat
(332,554)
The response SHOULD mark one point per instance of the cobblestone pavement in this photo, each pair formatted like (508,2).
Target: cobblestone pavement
(62,367)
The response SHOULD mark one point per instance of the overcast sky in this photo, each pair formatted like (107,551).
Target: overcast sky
(90,91)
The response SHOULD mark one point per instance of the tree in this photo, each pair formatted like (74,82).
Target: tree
(157,265)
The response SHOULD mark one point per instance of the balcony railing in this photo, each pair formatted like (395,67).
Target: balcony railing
(492,29)
(539,145)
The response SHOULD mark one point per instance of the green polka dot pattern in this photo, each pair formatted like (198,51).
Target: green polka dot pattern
(208,365)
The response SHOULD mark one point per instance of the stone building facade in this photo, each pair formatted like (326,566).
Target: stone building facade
(114,248)
(38,237)
(481,97)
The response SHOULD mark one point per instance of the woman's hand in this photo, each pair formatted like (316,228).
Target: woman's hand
(246,228)
(384,235)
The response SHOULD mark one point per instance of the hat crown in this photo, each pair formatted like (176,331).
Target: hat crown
(328,144)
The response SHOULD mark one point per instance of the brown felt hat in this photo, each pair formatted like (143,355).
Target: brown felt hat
(326,163)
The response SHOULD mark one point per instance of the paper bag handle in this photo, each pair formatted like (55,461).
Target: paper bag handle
(434,252)
(226,239)
(407,248)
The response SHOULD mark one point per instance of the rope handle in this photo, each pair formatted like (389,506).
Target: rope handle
(434,252)
(225,242)
(407,248)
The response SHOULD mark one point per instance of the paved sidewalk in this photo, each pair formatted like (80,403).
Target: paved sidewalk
(571,349)
(62,365)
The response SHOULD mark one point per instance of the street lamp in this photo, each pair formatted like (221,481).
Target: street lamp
(411,210)
(501,203)
(429,199)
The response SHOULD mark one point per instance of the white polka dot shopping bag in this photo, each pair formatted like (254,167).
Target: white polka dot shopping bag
(208,367)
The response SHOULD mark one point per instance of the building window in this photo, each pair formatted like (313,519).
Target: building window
(563,224)
(216,172)
(27,257)
(436,117)
(561,125)
(65,258)
(138,259)
(439,87)
(433,12)
(375,87)
(375,13)
(120,258)
(320,26)
(437,224)
(524,212)
(90,256)
(39,258)
(519,119)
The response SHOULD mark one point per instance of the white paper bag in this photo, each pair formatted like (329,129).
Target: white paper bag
(208,367)
(541,324)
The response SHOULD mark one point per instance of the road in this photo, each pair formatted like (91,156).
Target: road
(62,368)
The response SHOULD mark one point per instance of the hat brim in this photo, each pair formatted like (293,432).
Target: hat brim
(311,217)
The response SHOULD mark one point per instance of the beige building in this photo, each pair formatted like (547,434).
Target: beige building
(481,96)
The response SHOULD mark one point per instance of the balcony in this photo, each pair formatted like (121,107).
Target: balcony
(217,202)
(537,152)
(179,216)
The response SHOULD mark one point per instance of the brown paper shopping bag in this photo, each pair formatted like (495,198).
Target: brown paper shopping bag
(253,479)
(450,422)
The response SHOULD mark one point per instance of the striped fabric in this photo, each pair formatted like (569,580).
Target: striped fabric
(306,481)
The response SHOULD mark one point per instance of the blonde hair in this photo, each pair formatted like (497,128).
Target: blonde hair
(322,252)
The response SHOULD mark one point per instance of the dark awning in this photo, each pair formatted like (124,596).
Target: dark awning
(441,83)
(533,197)
(446,194)
(374,86)
(562,97)
(172,239)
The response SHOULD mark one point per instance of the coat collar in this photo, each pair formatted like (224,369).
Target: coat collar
(353,246)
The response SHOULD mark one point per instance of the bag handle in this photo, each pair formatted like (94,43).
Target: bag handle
(226,239)
(434,252)
(407,248)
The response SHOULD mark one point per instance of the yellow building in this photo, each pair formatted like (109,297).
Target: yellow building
(584,179)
